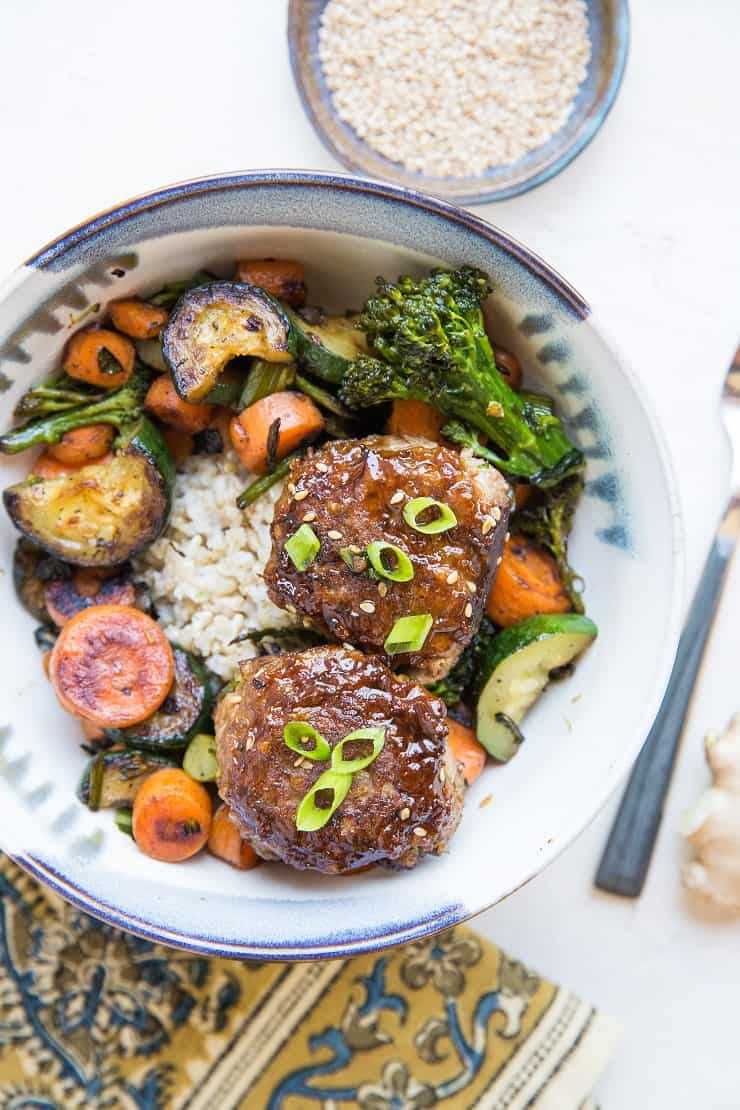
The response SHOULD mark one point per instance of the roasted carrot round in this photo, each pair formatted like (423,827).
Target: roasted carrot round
(415,418)
(83,445)
(467,750)
(523,493)
(48,467)
(225,841)
(112,664)
(46,662)
(91,731)
(137,318)
(300,422)
(164,402)
(282,277)
(527,582)
(179,445)
(100,357)
(172,815)
(509,367)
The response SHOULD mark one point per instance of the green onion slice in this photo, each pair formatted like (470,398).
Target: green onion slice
(375,736)
(302,547)
(310,817)
(297,734)
(442,522)
(408,634)
(124,819)
(382,554)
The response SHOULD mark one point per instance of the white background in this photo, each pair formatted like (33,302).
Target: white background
(100,101)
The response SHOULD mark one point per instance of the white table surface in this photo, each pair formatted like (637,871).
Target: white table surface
(100,101)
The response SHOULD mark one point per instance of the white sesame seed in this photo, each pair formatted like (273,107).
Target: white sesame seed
(301,495)
(405,813)
(306,622)
(348,646)
(334,535)
(367,606)
(496,515)
(487,525)
(442,774)
(420,832)
(355,549)
(452,578)
(249,744)
(297,762)
(499,561)
(471,587)
(382,589)
(322,468)
(308,517)
(291,487)
(397,497)
(507,537)
(468,610)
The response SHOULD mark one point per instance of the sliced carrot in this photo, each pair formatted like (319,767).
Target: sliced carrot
(282,277)
(164,402)
(466,749)
(415,418)
(509,367)
(527,582)
(137,318)
(523,493)
(46,662)
(100,357)
(82,445)
(226,842)
(64,597)
(91,731)
(300,422)
(179,445)
(112,664)
(172,815)
(47,467)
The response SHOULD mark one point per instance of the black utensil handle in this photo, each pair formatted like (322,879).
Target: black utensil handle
(627,855)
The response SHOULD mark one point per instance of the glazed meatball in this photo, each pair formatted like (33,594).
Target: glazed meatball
(405,804)
(352,493)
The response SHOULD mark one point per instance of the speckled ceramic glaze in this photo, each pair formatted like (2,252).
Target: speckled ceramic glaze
(582,736)
(608,27)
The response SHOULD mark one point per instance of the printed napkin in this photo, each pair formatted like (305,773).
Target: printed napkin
(93,1017)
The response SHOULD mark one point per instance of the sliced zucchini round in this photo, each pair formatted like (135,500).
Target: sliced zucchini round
(184,712)
(103,513)
(214,323)
(328,347)
(200,760)
(111,779)
(33,570)
(515,670)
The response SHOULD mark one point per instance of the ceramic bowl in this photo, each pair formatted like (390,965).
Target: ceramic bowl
(582,736)
(608,26)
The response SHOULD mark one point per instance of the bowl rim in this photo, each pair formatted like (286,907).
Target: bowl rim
(410,929)
(582,138)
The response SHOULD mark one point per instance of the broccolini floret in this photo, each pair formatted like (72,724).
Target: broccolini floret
(429,343)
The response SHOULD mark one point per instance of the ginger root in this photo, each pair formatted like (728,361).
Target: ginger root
(712,826)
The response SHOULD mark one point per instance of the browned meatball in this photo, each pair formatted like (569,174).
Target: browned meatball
(352,493)
(406,803)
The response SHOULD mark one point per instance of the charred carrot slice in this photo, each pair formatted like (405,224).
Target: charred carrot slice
(172,816)
(415,418)
(225,841)
(527,582)
(282,277)
(83,445)
(179,445)
(47,467)
(101,357)
(164,402)
(137,318)
(273,427)
(112,664)
(466,749)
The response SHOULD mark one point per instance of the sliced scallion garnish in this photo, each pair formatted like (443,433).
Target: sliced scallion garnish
(374,736)
(311,817)
(297,734)
(441,522)
(390,561)
(408,634)
(124,820)
(302,547)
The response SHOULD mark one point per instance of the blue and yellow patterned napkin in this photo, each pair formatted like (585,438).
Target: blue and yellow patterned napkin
(93,1017)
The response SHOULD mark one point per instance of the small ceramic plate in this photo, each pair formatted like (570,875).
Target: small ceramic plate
(608,22)
(581,737)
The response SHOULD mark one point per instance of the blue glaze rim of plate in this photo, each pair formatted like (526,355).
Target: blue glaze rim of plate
(444,916)
(581,140)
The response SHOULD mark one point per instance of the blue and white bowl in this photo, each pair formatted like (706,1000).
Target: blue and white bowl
(582,736)
(608,29)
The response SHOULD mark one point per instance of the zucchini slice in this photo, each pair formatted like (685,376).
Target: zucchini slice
(183,713)
(326,348)
(200,760)
(33,570)
(101,514)
(214,323)
(111,779)
(516,669)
